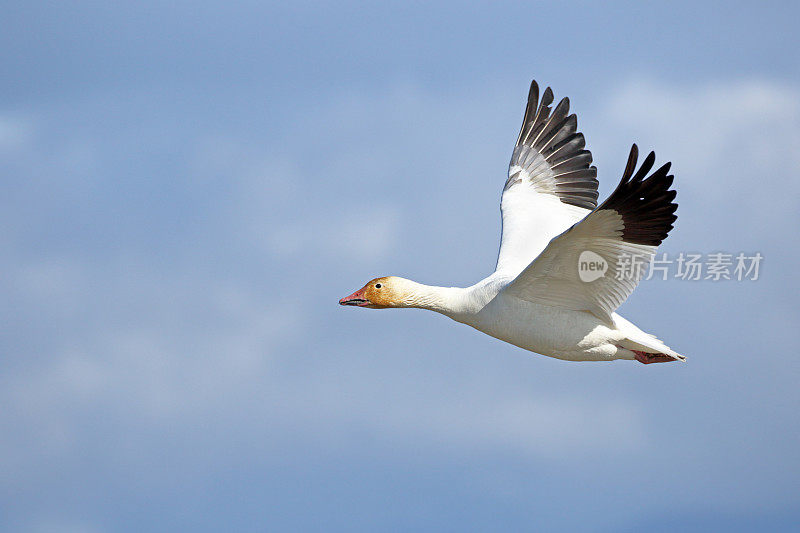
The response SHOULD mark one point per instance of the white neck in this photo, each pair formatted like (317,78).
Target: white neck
(445,300)
(449,301)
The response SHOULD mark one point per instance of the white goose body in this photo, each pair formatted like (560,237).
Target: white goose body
(546,330)
(540,298)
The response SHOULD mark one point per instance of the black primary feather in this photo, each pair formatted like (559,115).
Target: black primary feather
(646,205)
(554,136)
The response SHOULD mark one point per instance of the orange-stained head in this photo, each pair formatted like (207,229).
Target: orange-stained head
(380,293)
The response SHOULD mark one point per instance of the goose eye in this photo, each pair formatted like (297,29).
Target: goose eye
(377,285)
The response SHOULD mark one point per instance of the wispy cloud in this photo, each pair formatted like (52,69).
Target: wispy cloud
(200,306)
(734,143)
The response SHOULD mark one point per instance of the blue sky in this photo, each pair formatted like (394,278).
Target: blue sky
(191,186)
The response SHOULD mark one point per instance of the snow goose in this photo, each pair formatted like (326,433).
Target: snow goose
(561,271)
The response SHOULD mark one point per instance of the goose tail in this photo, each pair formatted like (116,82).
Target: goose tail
(646,347)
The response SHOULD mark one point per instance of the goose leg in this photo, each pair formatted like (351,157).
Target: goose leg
(647,358)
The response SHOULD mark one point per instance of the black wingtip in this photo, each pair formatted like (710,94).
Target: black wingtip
(647,165)
(552,132)
(646,205)
(633,156)
(547,97)
(533,92)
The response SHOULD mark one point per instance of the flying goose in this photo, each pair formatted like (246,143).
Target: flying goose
(565,265)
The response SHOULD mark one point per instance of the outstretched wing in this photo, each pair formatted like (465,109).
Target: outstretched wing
(550,185)
(621,236)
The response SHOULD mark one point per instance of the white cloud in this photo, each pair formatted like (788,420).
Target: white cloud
(281,209)
(735,145)
(366,234)
(182,344)
(759,120)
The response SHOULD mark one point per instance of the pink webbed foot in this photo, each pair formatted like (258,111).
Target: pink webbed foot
(647,358)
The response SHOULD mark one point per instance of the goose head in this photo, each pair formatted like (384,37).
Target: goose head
(381,293)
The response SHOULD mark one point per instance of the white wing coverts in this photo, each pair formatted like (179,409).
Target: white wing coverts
(550,185)
(625,231)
